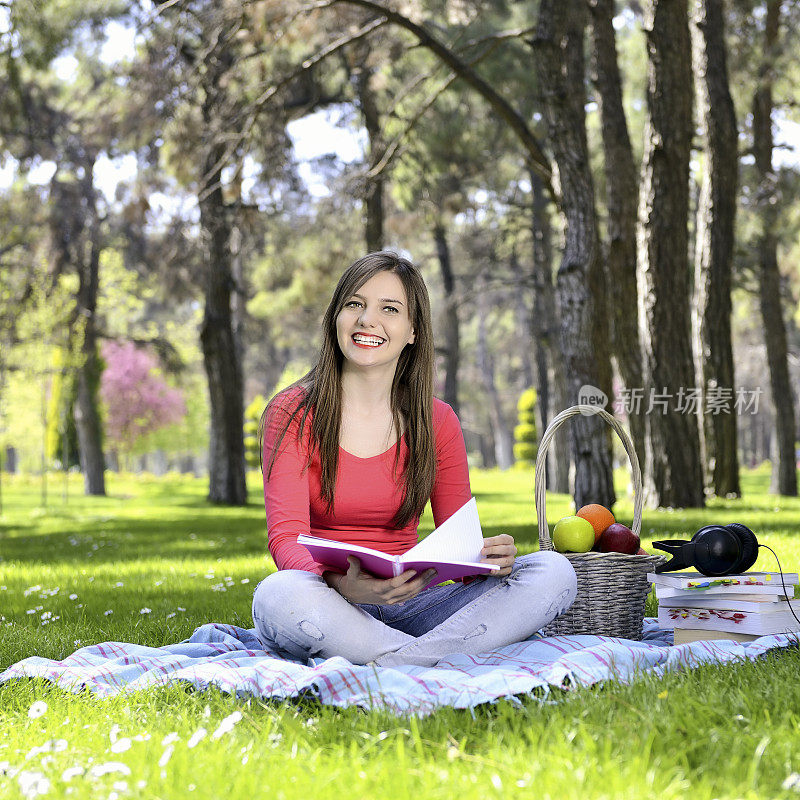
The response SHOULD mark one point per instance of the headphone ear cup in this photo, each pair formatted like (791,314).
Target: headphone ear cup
(716,550)
(749,544)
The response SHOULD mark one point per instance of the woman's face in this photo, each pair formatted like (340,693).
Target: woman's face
(374,325)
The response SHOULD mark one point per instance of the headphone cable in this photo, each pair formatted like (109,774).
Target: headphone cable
(785,590)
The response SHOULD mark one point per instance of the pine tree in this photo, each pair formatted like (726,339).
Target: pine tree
(525,437)
(252,414)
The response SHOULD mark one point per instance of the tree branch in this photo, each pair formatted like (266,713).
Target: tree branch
(512,33)
(162,7)
(394,145)
(538,161)
(7,248)
(266,96)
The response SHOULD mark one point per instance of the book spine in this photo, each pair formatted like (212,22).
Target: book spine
(397,567)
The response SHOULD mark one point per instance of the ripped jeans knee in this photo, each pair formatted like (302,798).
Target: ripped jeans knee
(298,614)
(284,613)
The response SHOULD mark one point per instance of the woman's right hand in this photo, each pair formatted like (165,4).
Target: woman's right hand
(361,587)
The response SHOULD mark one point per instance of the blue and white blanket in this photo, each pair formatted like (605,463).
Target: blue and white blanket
(233,660)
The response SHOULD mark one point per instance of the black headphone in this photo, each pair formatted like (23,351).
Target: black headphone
(714,550)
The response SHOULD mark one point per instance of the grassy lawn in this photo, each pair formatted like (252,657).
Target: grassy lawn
(152,561)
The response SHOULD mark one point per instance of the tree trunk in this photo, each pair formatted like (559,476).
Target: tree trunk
(452,336)
(221,351)
(11,460)
(672,456)
(550,380)
(784,471)
(752,440)
(714,240)
(622,199)
(238,287)
(767,439)
(488,453)
(761,438)
(79,244)
(87,419)
(580,281)
(503,437)
(373,187)
(523,318)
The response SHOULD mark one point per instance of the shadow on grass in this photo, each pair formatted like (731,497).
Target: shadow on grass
(131,540)
(207,535)
(125,539)
(11,528)
(504,497)
(173,520)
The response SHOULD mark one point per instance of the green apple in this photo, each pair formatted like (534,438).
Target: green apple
(573,535)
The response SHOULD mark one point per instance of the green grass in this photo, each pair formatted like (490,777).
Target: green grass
(712,732)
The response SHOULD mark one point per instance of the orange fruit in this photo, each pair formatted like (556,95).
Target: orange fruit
(599,517)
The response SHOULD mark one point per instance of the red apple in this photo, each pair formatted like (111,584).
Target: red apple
(618,538)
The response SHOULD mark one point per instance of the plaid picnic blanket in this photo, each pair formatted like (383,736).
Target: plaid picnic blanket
(233,660)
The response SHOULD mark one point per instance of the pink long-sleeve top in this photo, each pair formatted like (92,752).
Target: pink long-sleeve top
(367,495)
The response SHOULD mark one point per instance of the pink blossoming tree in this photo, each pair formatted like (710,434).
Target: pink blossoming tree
(137,398)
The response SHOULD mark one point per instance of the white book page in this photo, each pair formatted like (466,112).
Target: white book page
(766,593)
(695,599)
(458,538)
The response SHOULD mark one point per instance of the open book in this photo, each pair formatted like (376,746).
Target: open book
(453,550)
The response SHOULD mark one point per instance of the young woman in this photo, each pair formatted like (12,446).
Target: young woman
(353,451)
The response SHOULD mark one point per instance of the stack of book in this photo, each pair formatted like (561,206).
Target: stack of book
(739,607)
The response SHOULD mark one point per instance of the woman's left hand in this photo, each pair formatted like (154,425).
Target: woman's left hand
(499,550)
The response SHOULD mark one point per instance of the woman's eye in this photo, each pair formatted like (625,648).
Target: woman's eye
(359,304)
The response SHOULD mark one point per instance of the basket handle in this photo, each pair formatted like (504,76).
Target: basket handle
(545,542)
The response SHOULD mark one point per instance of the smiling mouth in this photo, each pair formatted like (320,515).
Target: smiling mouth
(364,340)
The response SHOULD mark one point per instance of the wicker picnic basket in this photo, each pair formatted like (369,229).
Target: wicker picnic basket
(612,587)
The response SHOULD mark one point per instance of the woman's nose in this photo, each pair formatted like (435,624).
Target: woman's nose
(366,316)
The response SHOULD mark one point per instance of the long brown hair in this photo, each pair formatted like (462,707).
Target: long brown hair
(411,396)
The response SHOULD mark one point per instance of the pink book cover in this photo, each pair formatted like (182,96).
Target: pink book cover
(453,550)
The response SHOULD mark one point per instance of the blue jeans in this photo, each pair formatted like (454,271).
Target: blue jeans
(298,615)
